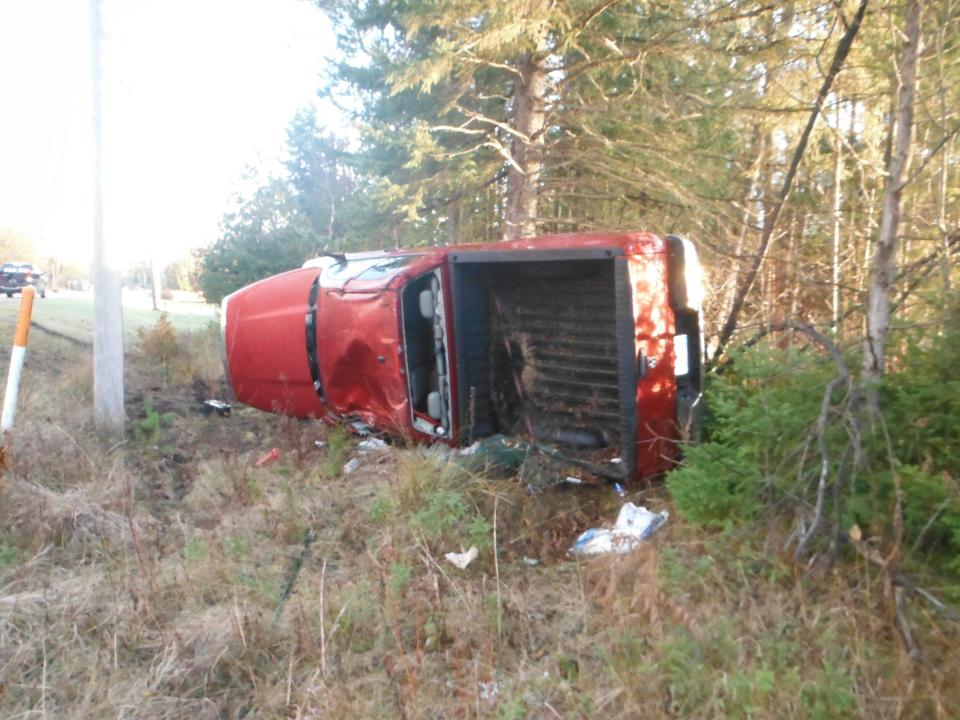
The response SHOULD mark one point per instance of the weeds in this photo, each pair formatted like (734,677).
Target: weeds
(149,430)
(181,358)
(338,445)
(440,502)
(115,604)
(9,555)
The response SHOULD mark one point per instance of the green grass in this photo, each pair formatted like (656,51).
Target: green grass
(73,315)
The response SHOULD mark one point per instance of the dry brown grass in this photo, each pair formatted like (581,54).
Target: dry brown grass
(287,591)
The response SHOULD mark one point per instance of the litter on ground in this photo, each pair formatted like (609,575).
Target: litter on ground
(494,453)
(371,444)
(461,560)
(268,458)
(634,523)
(350,466)
(361,428)
(488,690)
(216,406)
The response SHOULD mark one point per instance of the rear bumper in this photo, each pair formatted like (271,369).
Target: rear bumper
(7,288)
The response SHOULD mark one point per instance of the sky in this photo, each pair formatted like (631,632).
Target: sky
(194,92)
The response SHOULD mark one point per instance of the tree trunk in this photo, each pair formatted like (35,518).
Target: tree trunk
(794,242)
(884,258)
(332,217)
(454,222)
(944,164)
(760,141)
(529,119)
(799,307)
(837,216)
(155,282)
(770,220)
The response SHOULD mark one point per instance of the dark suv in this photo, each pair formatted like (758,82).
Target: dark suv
(14,277)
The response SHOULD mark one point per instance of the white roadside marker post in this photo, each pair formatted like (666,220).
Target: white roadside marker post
(17,357)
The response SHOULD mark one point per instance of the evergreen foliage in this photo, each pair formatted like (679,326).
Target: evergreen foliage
(673,117)
(266,235)
(286,220)
(761,454)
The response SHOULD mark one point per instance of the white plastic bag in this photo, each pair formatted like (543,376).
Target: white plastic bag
(634,523)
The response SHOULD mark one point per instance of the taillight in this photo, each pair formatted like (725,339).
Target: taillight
(693,274)
(685,275)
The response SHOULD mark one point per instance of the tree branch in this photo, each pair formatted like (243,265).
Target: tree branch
(839,56)
(932,154)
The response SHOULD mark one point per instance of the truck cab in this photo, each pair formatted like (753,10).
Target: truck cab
(587,345)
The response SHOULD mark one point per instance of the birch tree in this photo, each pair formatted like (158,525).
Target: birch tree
(884,258)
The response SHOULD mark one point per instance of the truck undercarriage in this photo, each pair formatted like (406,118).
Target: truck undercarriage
(546,350)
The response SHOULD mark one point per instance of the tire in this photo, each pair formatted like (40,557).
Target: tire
(9,294)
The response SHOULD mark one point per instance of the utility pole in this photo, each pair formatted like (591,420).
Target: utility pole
(107,305)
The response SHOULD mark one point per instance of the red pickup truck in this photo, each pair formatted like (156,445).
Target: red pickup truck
(587,344)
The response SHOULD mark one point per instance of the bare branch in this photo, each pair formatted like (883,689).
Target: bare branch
(933,153)
(904,626)
(839,56)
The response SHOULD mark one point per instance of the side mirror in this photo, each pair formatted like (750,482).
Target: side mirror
(427,304)
(434,406)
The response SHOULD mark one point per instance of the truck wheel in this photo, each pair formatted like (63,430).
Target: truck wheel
(9,294)
(43,294)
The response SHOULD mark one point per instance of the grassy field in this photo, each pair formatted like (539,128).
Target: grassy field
(71,313)
(166,576)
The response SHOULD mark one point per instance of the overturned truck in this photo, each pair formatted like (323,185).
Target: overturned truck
(587,345)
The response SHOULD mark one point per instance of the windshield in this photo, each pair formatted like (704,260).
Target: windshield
(376,268)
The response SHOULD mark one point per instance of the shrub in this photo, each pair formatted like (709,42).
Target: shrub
(158,344)
(762,452)
(149,430)
(182,357)
(758,415)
